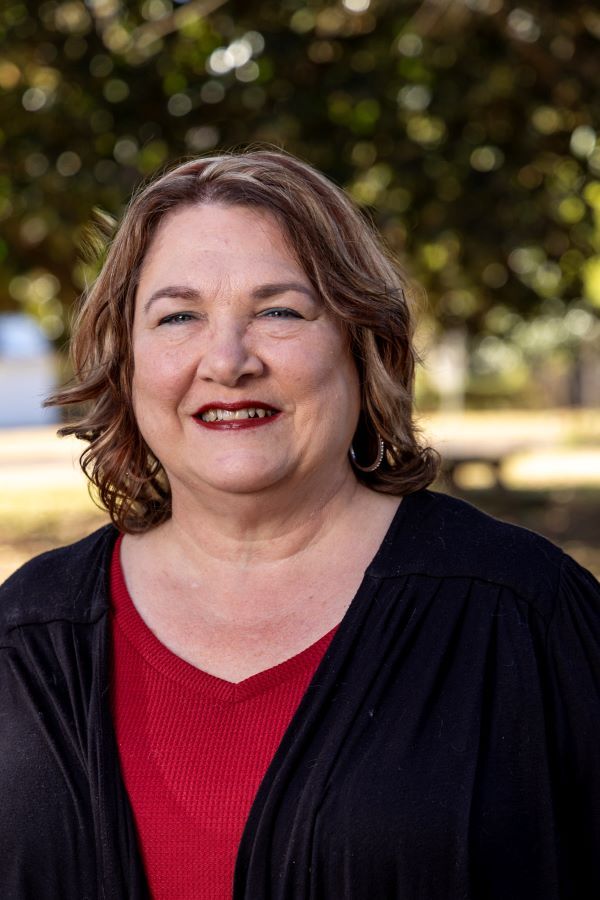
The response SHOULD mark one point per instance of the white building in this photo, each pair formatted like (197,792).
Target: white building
(27,372)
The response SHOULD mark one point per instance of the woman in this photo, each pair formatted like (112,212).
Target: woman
(288,658)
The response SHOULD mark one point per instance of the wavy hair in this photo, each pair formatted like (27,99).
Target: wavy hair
(341,253)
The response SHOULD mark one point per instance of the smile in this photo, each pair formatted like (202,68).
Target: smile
(229,415)
(235,415)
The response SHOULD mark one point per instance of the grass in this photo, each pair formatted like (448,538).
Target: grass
(44,500)
(32,524)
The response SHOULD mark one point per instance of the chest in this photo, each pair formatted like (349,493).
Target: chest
(235,628)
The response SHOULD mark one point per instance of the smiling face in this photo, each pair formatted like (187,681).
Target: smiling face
(243,381)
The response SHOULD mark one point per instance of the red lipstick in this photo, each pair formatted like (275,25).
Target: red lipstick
(207,415)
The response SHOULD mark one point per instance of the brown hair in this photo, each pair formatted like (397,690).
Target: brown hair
(343,257)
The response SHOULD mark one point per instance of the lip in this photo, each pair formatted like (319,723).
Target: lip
(236,424)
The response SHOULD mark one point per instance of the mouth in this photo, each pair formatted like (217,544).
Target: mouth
(234,416)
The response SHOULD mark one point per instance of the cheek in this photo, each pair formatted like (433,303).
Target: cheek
(347,390)
(158,376)
(329,377)
(341,372)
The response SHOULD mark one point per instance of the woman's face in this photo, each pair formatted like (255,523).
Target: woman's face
(242,379)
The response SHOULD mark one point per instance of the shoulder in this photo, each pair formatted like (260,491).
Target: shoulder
(69,582)
(444,537)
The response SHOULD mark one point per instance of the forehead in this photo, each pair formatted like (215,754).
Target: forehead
(218,230)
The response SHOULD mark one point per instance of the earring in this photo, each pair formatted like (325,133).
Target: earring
(378,461)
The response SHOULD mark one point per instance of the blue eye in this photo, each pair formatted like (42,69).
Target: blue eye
(280,312)
(176,318)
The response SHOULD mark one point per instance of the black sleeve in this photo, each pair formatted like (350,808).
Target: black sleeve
(573,644)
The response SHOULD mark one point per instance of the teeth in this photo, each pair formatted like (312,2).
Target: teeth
(227,415)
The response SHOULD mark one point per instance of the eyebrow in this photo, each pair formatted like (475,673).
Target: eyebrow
(263,292)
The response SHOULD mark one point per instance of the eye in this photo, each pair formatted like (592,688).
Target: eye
(280,312)
(176,318)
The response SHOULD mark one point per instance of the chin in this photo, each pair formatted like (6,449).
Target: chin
(235,481)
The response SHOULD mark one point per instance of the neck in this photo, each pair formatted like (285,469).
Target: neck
(249,563)
(268,527)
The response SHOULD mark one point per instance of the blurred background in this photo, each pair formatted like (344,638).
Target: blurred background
(468,130)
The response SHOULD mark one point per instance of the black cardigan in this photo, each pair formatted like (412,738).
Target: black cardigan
(447,747)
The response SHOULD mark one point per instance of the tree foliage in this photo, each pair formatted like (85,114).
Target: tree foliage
(467,128)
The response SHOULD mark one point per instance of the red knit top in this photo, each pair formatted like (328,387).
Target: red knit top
(193,750)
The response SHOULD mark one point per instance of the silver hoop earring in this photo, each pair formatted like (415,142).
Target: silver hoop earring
(378,461)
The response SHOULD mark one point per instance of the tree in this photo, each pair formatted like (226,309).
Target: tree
(466,128)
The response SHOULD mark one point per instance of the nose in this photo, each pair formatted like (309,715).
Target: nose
(227,356)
